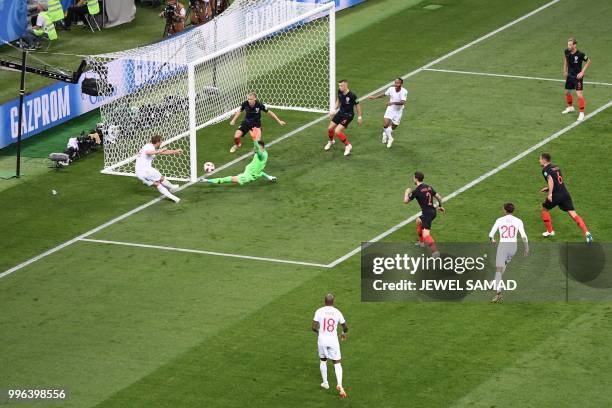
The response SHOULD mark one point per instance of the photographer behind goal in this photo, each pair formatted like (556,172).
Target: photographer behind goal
(201,11)
(175,15)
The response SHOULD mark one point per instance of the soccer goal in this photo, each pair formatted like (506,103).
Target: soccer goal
(282,49)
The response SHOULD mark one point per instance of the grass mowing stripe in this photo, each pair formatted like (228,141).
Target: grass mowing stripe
(452,71)
(475,182)
(202,252)
(556,363)
(312,123)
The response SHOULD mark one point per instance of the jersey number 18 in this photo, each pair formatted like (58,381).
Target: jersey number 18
(329,325)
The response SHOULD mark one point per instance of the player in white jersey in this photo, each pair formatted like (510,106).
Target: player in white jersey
(508,227)
(325,323)
(395,108)
(149,175)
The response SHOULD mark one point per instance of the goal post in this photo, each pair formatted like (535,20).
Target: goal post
(284,50)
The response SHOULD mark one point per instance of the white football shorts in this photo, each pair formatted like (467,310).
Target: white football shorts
(149,176)
(394,115)
(330,352)
(505,253)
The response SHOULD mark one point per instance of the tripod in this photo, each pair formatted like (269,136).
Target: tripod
(169,24)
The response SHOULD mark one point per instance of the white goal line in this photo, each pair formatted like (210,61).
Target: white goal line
(202,252)
(286,136)
(488,74)
(474,182)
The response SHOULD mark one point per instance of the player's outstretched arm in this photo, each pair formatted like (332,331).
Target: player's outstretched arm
(440,207)
(407,197)
(269,177)
(344,333)
(492,232)
(521,229)
(372,97)
(359,117)
(235,117)
(315,326)
(564,67)
(276,118)
(167,152)
(551,186)
(257,148)
(586,66)
(333,112)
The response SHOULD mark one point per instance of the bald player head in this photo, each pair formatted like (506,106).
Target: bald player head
(329,299)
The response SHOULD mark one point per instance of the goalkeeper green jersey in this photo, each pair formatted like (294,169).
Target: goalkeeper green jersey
(258,164)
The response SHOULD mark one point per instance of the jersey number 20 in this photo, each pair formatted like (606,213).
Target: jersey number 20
(507,231)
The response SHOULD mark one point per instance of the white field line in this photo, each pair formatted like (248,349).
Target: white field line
(453,71)
(201,252)
(290,134)
(472,183)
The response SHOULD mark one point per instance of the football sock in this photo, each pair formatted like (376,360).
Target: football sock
(166,183)
(581,103)
(569,100)
(547,220)
(323,367)
(221,180)
(580,223)
(343,138)
(419,230)
(430,241)
(330,134)
(338,369)
(389,132)
(237,141)
(166,193)
(498,277)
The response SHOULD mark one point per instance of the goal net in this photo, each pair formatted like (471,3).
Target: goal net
(281,49)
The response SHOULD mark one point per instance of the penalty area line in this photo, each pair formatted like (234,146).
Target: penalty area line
(202,252)
(290,134)
(488,74)
(474,182)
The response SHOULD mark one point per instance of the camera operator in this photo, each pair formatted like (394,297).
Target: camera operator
(201,11)
(175,14)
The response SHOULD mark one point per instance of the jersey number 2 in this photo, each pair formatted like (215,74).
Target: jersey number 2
(428,195)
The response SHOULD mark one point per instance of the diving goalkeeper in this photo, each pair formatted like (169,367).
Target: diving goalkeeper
(253,170)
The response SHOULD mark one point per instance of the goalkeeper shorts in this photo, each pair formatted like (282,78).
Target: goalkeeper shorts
(244,178)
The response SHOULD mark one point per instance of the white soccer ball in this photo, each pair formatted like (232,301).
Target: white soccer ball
(209,167)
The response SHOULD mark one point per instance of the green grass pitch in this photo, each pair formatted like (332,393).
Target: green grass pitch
(126,326)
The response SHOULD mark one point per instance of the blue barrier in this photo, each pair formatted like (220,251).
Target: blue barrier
(13,19)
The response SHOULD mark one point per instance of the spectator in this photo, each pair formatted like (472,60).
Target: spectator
(201,11)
